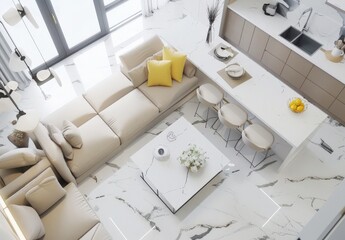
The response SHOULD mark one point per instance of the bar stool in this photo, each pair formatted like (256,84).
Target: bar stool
(209,96)
(232,117)
(258,138)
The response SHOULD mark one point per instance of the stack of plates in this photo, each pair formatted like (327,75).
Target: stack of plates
(223,53)
(235,70)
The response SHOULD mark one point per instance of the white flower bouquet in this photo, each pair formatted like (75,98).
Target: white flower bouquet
(193,158)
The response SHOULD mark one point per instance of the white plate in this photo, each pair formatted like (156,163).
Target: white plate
(223,53)
(235,70)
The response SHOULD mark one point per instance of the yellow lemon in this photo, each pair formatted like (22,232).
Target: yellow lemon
(293,107)
(298,101)
(300,108)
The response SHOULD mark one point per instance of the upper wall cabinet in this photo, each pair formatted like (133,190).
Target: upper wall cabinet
(232,27)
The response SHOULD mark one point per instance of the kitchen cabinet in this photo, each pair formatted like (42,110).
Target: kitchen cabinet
(338,109)
(341,96)
(232,27)
(298,63)
(317,94)
(272,63)
(258,44)
(306,78)
(247,34)
(292,77)
(277,49)
(325,81)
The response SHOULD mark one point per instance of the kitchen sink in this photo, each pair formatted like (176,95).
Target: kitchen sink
(290,34)
(300,40)
(306,44)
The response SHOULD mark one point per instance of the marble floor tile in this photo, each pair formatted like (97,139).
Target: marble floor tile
(242,203)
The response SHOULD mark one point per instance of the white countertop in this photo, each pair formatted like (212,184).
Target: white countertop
(322,29)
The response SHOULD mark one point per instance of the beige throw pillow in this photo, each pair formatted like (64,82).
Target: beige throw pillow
(139,74)
(189,69)
(45,194)
(28,221)
(20,157)
(72,134)
(56,135)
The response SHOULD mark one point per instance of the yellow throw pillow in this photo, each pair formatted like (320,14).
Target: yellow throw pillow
(178,60)
(159,73)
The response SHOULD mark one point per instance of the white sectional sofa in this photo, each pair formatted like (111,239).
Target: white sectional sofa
(113,113)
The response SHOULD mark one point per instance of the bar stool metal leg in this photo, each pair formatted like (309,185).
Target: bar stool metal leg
(196,110)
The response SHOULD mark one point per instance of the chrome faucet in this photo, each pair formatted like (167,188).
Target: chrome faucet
(310,10)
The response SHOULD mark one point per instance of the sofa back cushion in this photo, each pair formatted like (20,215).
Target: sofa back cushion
(19,157)
(53,152)
(108,91)
(137,54)
(77,111)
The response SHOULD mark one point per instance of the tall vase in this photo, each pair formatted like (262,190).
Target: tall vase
(210,33)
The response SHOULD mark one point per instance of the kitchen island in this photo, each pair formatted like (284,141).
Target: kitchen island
(264,95)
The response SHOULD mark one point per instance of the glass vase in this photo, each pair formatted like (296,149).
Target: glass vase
(210,34)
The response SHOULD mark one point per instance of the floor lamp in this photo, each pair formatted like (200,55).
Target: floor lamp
(13,16)
(25,122)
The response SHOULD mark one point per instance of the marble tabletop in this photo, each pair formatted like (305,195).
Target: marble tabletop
(173,183)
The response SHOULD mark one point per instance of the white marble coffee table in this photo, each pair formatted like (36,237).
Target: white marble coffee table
(173,183)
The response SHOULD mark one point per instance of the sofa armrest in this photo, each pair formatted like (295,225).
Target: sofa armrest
(24,178)
(53,153)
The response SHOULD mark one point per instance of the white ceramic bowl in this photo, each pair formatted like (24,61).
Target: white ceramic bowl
(235,70)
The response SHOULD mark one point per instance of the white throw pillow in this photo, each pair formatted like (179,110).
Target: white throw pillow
(72,134)
(56,135)
(45,194)
(28,221)
(19,157)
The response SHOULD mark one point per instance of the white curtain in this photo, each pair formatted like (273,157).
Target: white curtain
(6,74)
(149,6)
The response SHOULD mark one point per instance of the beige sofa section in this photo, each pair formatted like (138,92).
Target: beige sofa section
(113,113)
(129,114)
(108,91)
(70,218)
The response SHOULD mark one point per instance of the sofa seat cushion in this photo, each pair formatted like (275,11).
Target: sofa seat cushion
(98,232)
(130,114)
(108,91)
(70,218)
(99,142)
(77,111)
(164,97)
